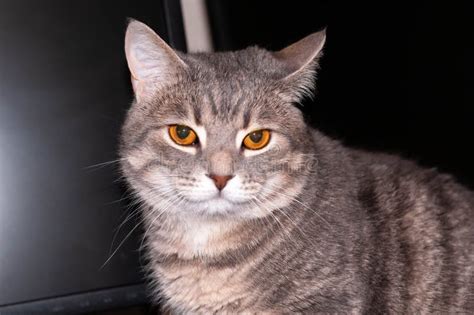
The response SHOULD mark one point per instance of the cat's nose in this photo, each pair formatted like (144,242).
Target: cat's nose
(220,180)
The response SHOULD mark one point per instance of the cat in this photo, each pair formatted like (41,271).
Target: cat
(247,209)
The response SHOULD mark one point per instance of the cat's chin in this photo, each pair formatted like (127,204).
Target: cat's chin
(216,206)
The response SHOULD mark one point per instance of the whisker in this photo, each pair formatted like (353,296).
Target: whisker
(280,210)
(106,163)
(118,200)
(132,214)
(174,201)
(117,229)
(299,202)
(285,231)
(284,228)
(120,245)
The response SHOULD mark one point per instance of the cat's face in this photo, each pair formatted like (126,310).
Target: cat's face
(217,134)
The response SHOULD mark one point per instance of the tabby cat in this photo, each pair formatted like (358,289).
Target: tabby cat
(247,209)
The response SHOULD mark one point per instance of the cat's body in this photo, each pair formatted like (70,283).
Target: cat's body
(326,228)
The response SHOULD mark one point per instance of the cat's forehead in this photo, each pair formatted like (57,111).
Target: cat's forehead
(252,62)
(232,88)
(228,105)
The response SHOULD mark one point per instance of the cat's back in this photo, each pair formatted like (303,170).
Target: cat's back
(422,226)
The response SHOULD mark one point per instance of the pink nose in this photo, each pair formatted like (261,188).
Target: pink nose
(220,180)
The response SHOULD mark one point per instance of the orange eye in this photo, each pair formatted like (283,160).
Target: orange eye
(257,139)
(182,135)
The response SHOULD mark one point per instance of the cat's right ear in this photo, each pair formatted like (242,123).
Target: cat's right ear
(151,61)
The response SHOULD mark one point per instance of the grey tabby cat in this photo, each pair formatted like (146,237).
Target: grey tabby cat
(249,210)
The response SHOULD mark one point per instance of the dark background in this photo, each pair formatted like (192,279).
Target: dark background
(64,90)
(395,76)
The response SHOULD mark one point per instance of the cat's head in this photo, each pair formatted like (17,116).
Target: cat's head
(217,134)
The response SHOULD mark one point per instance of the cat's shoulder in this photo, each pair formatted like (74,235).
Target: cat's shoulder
(383,167)
(389,171)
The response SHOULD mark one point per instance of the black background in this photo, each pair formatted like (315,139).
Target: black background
(64,90)
(395,76)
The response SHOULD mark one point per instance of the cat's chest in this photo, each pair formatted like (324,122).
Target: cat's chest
(197,289)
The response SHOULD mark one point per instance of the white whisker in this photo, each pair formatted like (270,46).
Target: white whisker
(299,202)
(106,163)
(284,228)
(173,201)
(280,210)
(138,201)
(120,245)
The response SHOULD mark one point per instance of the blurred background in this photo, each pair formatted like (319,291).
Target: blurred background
(395,77)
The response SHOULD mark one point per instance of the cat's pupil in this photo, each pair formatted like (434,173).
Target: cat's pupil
(256,136)
(182,131)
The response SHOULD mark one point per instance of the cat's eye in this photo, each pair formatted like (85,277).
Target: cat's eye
(183,135)
(257,139)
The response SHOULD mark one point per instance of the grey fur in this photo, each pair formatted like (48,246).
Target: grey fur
(346,231)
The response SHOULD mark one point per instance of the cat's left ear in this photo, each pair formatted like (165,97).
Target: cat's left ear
(300,62)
